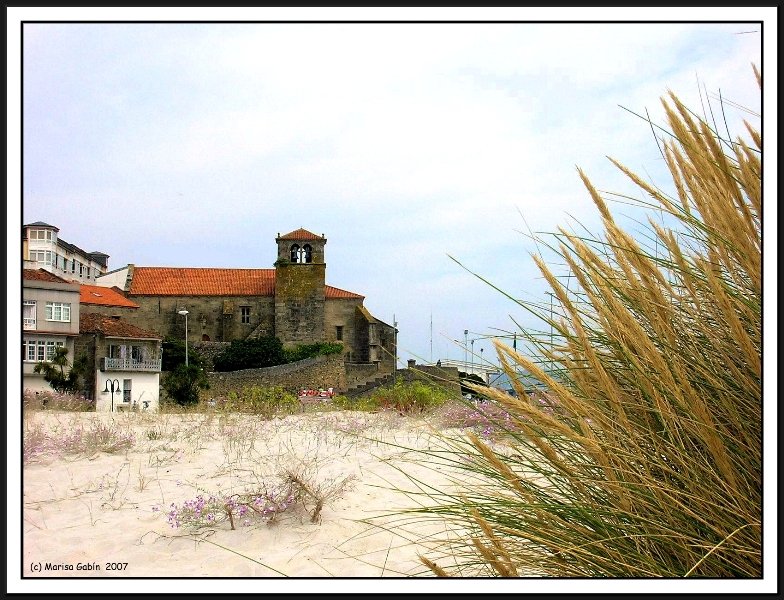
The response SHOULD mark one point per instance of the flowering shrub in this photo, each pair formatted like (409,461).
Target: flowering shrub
(484,417)
(242,508)
(99,437)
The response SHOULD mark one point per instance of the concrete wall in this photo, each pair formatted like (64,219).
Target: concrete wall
(312,373)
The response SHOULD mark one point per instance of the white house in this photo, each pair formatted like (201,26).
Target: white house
(125,363)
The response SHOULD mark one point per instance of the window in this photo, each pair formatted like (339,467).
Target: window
(36,350)
(73,265)
(126,390)
(41,234)
(58,311)
(41,256)
(307,254)
(339,333)
(295,253)
(245,314)
(28,314)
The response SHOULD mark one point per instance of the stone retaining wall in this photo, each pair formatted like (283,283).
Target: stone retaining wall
(312,373)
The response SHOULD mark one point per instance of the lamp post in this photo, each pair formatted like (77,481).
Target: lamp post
(111,385)
(185,314)
(472,356)
(465,345)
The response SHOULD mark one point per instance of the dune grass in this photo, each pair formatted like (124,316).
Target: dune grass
(647,461)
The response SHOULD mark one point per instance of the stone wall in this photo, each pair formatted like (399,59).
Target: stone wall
(447,377)
(207,352)
(312,373)
(360,372)
(218,318)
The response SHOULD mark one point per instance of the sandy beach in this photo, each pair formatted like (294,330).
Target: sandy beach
(122,512)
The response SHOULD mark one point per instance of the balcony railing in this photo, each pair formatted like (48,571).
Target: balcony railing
(28,324)
(130,364)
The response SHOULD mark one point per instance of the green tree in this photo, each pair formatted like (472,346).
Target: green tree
(184,382)
(251,354)
(54,371)
(174,355)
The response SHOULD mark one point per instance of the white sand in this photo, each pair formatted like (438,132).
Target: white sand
(112,507)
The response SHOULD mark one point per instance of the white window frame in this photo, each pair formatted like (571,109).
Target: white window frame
(245,314)
(29,307)
(58,311)
(38,350)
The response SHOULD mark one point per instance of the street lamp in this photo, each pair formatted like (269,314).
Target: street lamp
(185,314)
(472,356)
(114,384)
(465,345)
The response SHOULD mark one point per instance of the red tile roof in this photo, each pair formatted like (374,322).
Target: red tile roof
(112,327)
(173,281)
(333,292)
(42,275)
(301,234)
(103,296)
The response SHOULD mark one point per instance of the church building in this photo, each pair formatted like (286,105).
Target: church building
(290,301)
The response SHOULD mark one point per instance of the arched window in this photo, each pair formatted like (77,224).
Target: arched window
(308,251)
(295,253)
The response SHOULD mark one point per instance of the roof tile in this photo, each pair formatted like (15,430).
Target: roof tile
(103,296)
(301,234)
(113,327)
(174,281)
(42,275)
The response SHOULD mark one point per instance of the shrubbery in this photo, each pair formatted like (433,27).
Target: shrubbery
(268,352)
(250,354)
(409,397)
(265,401)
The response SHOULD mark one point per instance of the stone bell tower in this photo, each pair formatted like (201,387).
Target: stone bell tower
(300,273)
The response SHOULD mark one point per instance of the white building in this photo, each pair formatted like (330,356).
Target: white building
(125,363)
(42,248)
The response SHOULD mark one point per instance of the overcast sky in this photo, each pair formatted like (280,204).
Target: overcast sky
(194,145)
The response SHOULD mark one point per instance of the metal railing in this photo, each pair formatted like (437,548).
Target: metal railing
(130,364)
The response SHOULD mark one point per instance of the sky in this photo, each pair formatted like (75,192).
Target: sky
(406,145)
(426,152)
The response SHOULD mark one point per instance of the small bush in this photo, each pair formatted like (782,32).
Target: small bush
(365,404)
(303,351)
(265,401)
(410,397)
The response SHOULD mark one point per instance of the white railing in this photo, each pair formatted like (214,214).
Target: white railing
(129,364)
(28,324)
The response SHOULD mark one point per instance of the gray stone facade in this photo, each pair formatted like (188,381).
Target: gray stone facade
(291,302)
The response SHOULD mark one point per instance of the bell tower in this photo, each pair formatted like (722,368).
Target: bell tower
(300,272)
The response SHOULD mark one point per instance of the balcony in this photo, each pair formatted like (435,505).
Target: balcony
(130,364)
(28,324)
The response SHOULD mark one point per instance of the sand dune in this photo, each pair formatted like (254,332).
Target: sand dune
(104,514)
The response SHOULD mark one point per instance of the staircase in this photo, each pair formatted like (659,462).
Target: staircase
(377,381)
